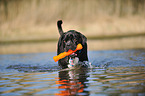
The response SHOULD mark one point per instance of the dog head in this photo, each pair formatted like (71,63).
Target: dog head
(70,40)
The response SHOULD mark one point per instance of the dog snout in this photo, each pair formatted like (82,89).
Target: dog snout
(68,43)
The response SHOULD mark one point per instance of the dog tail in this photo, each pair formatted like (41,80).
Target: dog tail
(59,27)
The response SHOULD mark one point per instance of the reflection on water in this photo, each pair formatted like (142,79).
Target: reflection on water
(28,83)
(73,82)
(96,81)
(114,73)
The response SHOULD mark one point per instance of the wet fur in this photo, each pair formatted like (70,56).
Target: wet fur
(69,40)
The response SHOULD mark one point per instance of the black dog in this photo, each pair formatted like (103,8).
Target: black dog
(70,40)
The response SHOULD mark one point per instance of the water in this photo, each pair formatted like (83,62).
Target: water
(116,72)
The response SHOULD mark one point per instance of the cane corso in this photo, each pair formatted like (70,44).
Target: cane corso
(70,40)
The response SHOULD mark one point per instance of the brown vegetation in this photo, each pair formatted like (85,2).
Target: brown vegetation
(35,20)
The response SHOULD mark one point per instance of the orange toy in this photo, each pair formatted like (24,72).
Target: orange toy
(64,54)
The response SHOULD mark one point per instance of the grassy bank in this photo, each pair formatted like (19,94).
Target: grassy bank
(32,22)
(105,44)
(108,34)
(54,39)
(99,29)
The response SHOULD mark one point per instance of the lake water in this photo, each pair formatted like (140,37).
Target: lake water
(115,72)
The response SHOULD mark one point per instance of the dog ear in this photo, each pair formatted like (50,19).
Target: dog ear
(59,22)
(84,39)
(61,45)
(61,41)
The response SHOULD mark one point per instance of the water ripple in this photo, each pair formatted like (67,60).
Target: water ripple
(114,73)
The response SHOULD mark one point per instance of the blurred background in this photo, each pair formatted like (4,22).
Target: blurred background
(29,26)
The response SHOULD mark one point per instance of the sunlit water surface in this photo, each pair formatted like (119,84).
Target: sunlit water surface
(116,72)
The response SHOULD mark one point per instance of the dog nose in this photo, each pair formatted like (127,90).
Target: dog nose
(68,43)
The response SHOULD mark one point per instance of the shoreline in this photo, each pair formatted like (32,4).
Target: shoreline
(55,39)
(104,44)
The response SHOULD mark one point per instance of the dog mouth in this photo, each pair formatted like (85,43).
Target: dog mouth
(73,55)
(70,48)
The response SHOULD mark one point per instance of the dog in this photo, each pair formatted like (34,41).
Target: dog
(70,40)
